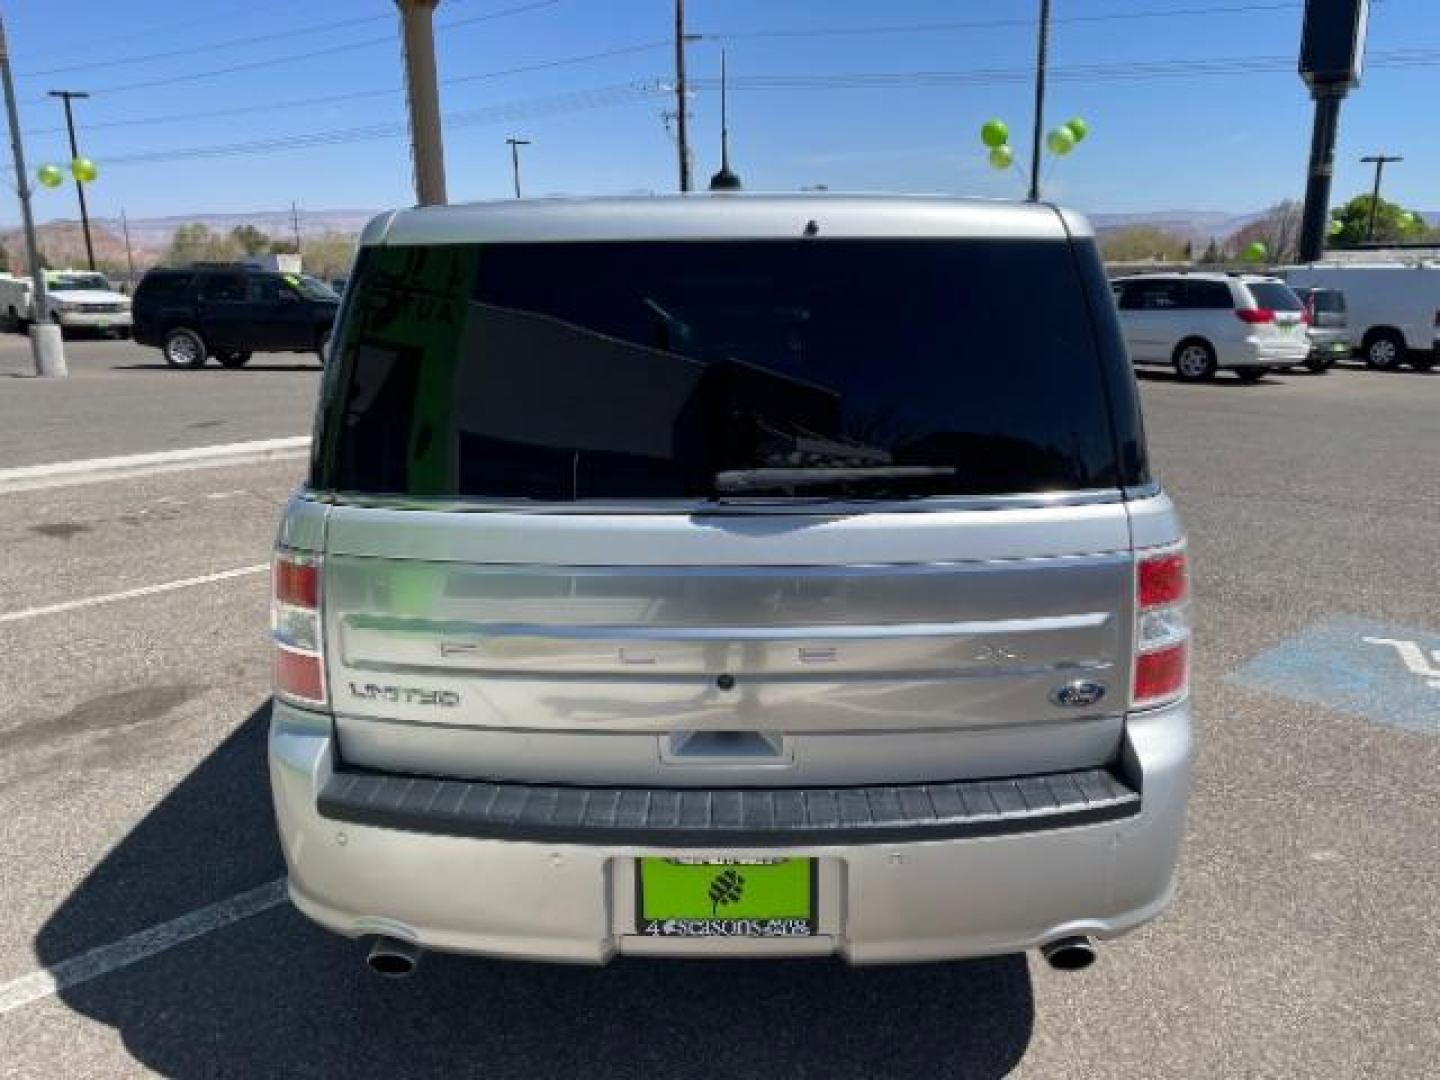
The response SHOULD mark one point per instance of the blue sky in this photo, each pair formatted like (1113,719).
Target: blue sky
(1232,142)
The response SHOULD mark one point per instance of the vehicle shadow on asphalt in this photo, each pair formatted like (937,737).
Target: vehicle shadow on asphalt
(274,995)
(214,369)
(1222,380)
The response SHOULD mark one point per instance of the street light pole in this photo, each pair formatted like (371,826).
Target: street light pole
(1042,50)
(1379,161)
(45,340)
(417,19)
(68,96)
(515,145)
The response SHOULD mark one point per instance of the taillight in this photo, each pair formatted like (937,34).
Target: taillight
(295,629)
(1307,316)
(1162,629)
(1255,315)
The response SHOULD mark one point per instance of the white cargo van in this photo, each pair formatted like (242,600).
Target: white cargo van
(1394,308)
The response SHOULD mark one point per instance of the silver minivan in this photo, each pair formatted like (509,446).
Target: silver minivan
(730,576)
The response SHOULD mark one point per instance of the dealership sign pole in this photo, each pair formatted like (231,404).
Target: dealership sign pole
(1332,49)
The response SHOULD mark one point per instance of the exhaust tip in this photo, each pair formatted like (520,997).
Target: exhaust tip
(1069,953)
(393,958)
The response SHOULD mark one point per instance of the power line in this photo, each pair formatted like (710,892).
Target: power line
(995,24)
(204,47)
(357,95)
(289,58)
(169,26)
(1127,71)
(618,94)
(640,91)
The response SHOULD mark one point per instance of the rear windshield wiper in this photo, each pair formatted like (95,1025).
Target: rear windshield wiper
(766,479)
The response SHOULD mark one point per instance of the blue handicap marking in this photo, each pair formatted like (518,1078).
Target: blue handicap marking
(1386,673)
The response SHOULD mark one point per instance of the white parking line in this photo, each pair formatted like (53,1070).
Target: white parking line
(139,946)
(130,594)
(94,470)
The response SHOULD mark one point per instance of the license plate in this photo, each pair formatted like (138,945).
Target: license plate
(750,898)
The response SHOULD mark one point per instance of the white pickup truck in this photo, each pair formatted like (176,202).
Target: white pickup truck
(78,300)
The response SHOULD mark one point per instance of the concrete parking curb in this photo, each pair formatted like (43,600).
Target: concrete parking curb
(95,470)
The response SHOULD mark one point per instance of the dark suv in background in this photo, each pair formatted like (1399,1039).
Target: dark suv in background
(230,312)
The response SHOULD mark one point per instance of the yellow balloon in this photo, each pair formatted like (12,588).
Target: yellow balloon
(51,176)
(84,170)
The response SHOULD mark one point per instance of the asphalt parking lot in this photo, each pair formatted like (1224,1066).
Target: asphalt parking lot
(122,399)
(133,793)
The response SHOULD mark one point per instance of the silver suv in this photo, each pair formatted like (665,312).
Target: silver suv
(730,576)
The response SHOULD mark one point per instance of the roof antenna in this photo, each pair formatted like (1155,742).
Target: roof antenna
(725,179)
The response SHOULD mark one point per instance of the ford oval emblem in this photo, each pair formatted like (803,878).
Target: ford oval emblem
(1079,693)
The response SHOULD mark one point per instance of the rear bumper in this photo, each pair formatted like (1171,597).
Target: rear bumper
(94,320)
(892,896)
(1330,343)
(1256,351)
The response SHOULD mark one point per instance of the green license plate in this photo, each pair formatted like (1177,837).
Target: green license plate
(754,898)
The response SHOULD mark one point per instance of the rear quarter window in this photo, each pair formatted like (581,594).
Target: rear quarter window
(1273,296)
(563,372)
(1208,295)
(163,286)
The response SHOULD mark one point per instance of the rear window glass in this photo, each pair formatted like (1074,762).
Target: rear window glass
(664,370)
(161,286)
(1325,300)
(1274,296)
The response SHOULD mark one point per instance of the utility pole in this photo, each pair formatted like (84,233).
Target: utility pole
(682,131)
(129,254)
(1379,161)
(45,340)
(417,22)
(1042,50)
(515,145)
(295,224)
(68,96)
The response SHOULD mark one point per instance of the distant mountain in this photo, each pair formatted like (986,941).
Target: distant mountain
(150,237)
(1199,225)
(156,232)
(63,243)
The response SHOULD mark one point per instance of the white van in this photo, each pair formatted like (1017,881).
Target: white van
(1201,323)
(1394,308)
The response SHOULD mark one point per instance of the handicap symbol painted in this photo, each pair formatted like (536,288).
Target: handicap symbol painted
(1414,658)
(1386,673)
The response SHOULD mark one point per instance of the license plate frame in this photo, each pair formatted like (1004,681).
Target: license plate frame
(750,898)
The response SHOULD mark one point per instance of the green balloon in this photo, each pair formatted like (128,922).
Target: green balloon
(994,133)
(84,170)
(1336,225)
(1254,252)
(1001,157)
(1060,141)
(51,176)
(1078,127)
